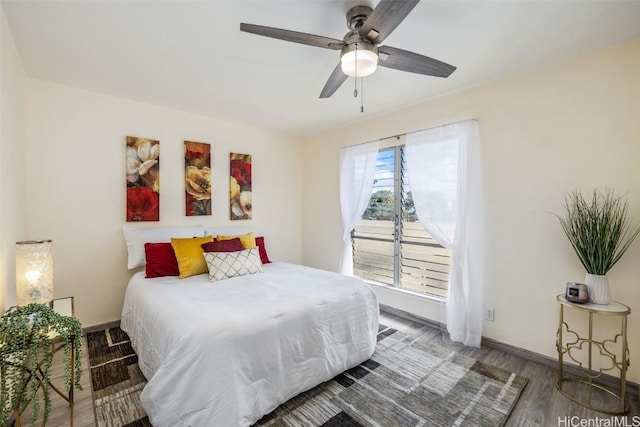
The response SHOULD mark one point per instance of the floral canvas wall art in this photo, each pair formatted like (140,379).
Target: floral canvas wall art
(197,178)
(143,179)
(240,186)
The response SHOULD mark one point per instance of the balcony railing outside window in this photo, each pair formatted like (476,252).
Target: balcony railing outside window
(390,246)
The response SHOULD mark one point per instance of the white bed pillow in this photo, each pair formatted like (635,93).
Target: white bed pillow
(215,230)
(136,237)
(223,265)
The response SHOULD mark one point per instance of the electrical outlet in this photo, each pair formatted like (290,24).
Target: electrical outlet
(490,314)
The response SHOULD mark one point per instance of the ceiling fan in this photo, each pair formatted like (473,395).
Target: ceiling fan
(360,53)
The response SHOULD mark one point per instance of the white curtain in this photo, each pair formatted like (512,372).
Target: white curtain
(357,172)
(443,168)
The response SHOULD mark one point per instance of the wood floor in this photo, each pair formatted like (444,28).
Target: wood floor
(540,404)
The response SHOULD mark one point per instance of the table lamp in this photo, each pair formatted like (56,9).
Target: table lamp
(34,272)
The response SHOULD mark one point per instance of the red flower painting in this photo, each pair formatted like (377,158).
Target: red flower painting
(142,204)
(240,186)
(143,179)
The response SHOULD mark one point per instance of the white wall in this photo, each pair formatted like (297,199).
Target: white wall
(13,190)
(76,185)
(573,125)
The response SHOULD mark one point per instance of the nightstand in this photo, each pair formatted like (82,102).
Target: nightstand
(614,350)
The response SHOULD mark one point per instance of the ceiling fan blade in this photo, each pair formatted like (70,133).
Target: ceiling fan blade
(398,59)
(293,36)
(387,15)
(335,81)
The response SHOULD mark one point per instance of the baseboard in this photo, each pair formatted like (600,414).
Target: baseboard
(572,370)
(101,326)
(607,380)
(412,317)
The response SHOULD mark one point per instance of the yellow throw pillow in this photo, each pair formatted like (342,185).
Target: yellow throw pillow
(248,240)
(189,255)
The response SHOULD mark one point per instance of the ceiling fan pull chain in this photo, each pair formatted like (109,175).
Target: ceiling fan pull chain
(361,95)
(355,82)
(355,79)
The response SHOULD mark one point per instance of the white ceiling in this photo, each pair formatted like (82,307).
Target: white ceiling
(191,55)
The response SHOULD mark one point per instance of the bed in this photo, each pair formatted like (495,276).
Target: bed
(227,353)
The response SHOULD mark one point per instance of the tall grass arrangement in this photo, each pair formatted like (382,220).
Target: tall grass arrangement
(599,229)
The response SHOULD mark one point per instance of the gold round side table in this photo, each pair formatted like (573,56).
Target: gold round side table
(573,341)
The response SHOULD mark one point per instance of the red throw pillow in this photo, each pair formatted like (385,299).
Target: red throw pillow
(262,250)
(231,245)
(161,260)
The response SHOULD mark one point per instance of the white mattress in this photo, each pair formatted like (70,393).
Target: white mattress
(227,353)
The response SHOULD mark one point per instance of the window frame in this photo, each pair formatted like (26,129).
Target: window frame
(397,235)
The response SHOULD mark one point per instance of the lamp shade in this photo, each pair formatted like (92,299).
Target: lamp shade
(359,61)
(34,272)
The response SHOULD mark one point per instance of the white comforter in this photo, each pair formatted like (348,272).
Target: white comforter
(226,353)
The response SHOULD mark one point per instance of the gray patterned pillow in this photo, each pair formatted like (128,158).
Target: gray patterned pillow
(223,265)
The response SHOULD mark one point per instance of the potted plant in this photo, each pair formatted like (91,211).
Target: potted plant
(26,336)
(600,232)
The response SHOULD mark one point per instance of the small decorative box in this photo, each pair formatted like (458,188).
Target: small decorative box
(577,292)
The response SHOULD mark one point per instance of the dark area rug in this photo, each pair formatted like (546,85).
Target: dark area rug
(116,380)
(409,381)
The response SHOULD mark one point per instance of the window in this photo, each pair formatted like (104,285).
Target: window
(389,244)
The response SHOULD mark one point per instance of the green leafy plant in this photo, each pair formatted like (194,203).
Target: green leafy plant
(598,229)
(25,357)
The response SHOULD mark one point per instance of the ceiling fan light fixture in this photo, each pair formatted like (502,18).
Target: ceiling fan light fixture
(359,59)
(359,56)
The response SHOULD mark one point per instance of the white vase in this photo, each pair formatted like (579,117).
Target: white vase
(598,286)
